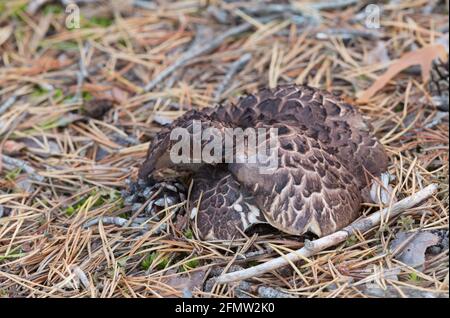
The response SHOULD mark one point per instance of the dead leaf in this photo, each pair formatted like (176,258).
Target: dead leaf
(162,120)
(379,54)
(80,277)
(97,108)
(5,33)
(423,57)
(186,283)
(42,65)
(119,95)
(41,148)
(374,290)
(11,147)
(382,193)
(413,253)
(107,92)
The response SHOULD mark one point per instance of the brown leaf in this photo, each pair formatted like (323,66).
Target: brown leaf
(5,33)
(186,283)
(413,253)
(97,108)
(11,147)
(44,64)
(379,54)
(423,57)
(107,92)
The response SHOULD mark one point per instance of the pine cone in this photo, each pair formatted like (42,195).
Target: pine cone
(438,85)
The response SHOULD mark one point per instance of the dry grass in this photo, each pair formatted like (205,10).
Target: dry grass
(76,164)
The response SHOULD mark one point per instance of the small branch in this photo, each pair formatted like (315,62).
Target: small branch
(81,74)
(314,247)
(269,292)
(17,163)
(330,5)
(347,34)
(138,224)
(34,5)
(437,119)
(218,14)
(148,5)
(271,8)
(195,52)
(13,98)
(111,220)
(268,8)
(7,104)
(392,292)
(234,69)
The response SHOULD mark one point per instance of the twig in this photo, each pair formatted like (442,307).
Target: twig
(81,74)
(266,8)
(34,6)
(218,14)
(148,5)
(347,34)
(110,220)
(437,119)
(313,247)
(67,2)
(13,98)
(197,51)
(328,5)
(234,68)
(17,163)
(391,292)
(269,292)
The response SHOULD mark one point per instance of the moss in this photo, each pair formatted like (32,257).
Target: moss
(406,222)
(70,210)
(39,91)
(13,174)
(252,263)
(100,21)
(122,262)
(399,107)
(351,240)
(65,46)
(15,252)
(58,93)
(103,198)
(87,96)
(148,261)
(414,278)
(188,234)
(191,264)
(52,9)
(18,10)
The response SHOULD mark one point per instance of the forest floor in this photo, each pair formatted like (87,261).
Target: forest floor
(78,107)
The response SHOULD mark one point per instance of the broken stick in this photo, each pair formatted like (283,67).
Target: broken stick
(314,247)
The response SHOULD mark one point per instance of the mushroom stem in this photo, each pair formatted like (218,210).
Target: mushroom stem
(314,247)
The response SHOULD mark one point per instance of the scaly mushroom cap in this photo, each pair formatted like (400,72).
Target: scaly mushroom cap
(326,156)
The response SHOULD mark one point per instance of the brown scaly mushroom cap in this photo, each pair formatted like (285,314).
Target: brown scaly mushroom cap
(326,157)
